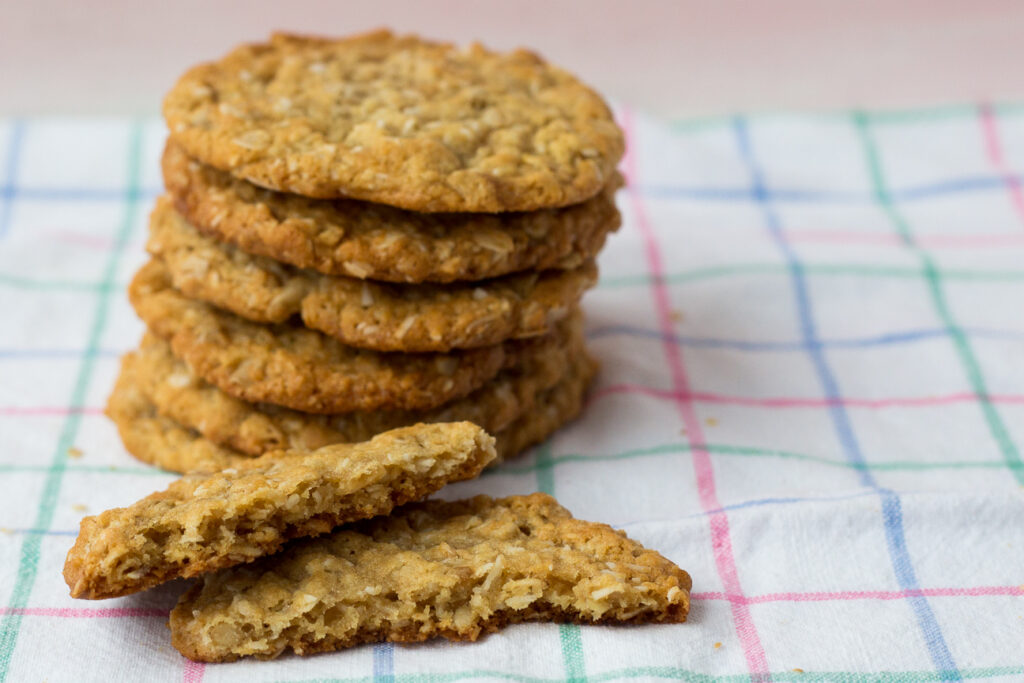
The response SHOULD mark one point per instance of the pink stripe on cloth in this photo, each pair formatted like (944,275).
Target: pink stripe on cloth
(784,402)
(721,540)
(995,154)
(667,395)
(193,672)
(861,595)
(85,613)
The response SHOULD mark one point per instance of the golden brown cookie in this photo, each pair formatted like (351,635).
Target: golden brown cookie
(398,120)
(553,409)
(257,428)
(377,242)
(159,440)
(436,569)
(202,523)
(361,313)
(299,368)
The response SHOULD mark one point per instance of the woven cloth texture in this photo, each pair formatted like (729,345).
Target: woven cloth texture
(811,330)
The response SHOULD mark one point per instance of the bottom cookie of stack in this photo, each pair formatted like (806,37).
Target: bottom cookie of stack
(168,417)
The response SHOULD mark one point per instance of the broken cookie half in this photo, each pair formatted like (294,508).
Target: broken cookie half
(202,523)
(430,569)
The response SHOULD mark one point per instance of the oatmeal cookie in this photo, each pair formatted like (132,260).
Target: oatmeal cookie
(435,569)
(202,523)
(398,120)
(292,366)
(157,440)
(163,441)
(257,428)
(377,242)
(361,313)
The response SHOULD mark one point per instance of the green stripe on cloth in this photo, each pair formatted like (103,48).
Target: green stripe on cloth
(569,636)
(639,280)
(545,467)
(28,565)
(964,351)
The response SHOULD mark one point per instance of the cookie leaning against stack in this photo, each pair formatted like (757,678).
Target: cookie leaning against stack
(364,233)
(366,244)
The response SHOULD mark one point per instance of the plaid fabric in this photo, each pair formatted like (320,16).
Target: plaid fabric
(812,399)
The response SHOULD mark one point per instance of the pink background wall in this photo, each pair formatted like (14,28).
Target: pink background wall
(674,58)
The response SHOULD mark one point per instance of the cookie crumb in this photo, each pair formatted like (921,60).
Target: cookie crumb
(711,422)
(676,316)
(79,507)
(75,452)
(6,530)
(718,646)
(798,671)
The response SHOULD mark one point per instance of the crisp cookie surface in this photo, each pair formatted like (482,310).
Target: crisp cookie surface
(553,409)
(257,428)
(361,313)
(292,366)
(157,440)
(398,120)
(450,569)
(162,441)
(377,242)
(203,523)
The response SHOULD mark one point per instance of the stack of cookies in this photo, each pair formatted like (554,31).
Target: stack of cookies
(362,234)
(366,246)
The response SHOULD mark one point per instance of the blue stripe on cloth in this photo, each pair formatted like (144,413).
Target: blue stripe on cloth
(384,663)
(892,512)
(11,190)
(744,345)
(797,196)
(14,144)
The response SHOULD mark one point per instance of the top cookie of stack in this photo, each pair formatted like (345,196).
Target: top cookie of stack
(399,121)
(430,214)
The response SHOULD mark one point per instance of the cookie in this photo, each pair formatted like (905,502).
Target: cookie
(436,569)
(372,241)
(361,313)
(554,408)
(292,366)
(257,428)
(203,523)
(398,120)
(159,440)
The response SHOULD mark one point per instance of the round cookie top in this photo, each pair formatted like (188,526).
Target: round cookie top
(398,120)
